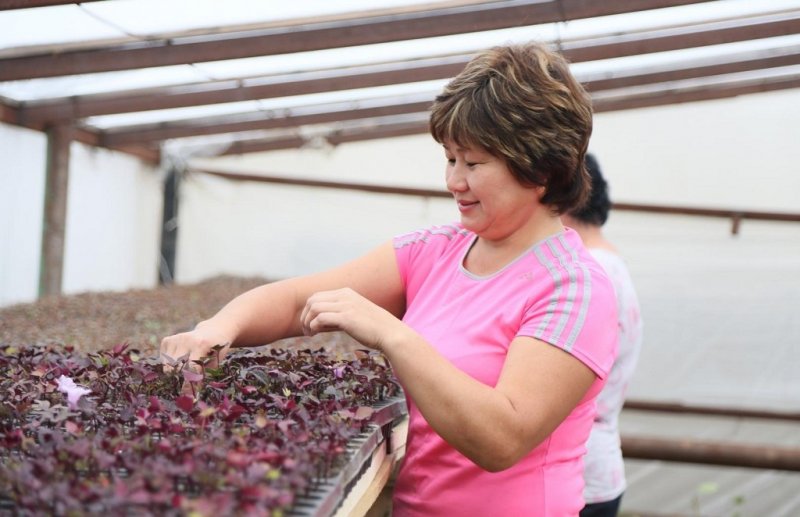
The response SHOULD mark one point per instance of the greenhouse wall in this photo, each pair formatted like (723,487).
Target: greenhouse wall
(113,220)
(739,153)
(22,176)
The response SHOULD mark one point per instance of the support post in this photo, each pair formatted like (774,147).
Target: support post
(169,227)
(51,265)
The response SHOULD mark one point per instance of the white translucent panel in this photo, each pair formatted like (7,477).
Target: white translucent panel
(154,116)
(367,54)
(678,58)
(687,14)
(474,41)
(136,16)
(738,78)
(105,82)
(376,53)
(47,25)
(102,20)
(280,103)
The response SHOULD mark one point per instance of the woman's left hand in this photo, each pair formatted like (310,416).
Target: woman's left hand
(348,311)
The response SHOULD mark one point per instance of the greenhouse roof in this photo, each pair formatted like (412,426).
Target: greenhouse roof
(132,74)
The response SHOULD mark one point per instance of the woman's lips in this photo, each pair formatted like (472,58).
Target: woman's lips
(463,206)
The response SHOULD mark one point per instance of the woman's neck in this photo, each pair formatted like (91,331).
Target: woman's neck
(490,255)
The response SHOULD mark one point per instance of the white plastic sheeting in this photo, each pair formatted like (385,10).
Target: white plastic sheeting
(113,223)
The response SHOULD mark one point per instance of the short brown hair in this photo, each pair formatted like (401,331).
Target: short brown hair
(522,104)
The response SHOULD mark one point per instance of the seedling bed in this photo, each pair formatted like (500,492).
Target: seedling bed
(276,432)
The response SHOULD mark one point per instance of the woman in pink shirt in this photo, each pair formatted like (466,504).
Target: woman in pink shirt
(500,327)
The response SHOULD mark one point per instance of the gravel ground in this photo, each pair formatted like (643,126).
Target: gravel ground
(141,317)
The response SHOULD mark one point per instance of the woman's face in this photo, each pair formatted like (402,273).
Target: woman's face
(493,204)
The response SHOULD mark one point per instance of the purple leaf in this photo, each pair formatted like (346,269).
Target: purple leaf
(192,376)
(185,403)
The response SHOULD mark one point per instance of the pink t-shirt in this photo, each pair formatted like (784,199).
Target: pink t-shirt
(554,292)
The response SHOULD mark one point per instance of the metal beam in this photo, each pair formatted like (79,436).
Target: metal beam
(78,107)
(346,33)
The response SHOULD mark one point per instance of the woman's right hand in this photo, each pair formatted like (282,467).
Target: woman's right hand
(198,344)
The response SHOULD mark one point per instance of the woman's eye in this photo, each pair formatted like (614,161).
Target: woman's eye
(471,164)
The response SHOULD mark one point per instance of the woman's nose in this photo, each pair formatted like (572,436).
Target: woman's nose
(455,179)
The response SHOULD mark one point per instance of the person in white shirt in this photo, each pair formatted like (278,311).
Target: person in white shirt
(604,470)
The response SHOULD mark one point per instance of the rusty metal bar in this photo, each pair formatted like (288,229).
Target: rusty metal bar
(362,187)
(728,454)
(347,33)
(420,192)
(709,212)
(677,407)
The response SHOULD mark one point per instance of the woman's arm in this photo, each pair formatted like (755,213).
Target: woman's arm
(272,311)
(493,426)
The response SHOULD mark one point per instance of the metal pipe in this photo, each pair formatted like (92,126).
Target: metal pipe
(711,453)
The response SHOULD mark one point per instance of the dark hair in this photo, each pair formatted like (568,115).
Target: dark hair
(522,104)
(595,210)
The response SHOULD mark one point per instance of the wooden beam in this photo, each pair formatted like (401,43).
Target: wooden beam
(687,36)
(51,265)
(677,95)
(346,33)
(78,107)
(698,68)
(10,115)
(251,122)
(6,5)
(262,120)
(376,130)
(217,92)
(668,96)
(366,132)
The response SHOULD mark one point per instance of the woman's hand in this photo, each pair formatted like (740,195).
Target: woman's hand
(348,311)
(198,344)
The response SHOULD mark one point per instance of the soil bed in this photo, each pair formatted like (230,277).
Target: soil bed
(141,318)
